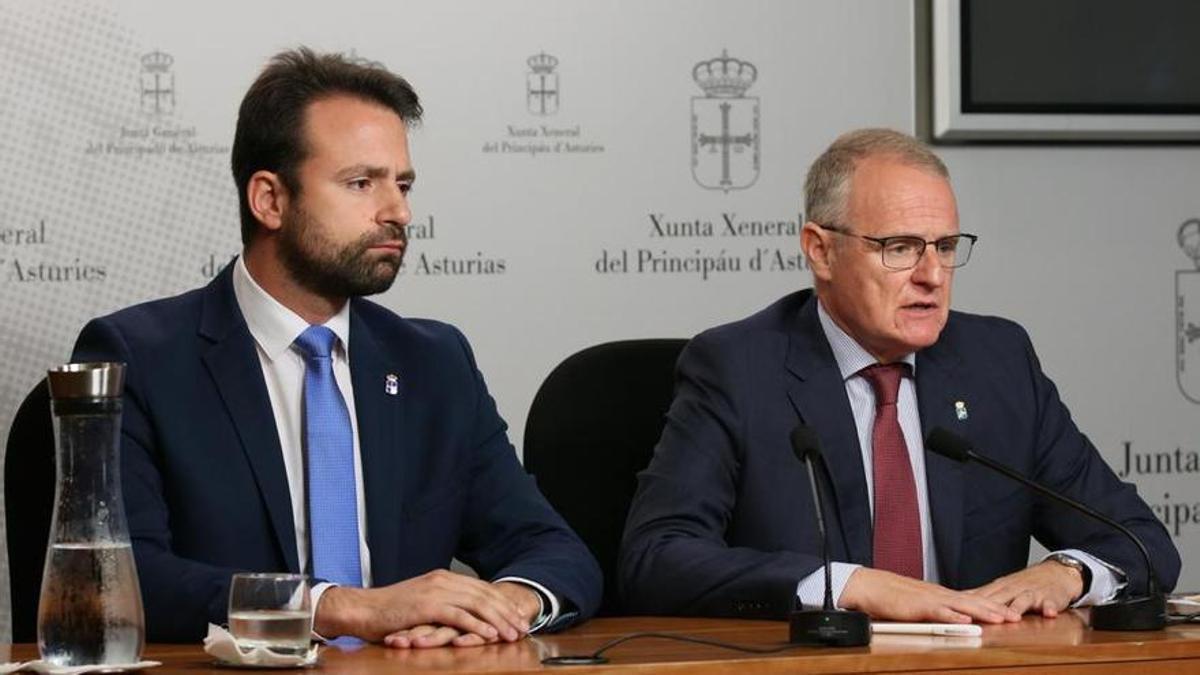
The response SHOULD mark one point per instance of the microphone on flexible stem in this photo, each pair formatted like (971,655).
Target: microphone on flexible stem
(827,626)
(1147,612)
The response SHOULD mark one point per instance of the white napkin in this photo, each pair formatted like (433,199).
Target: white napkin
(46,667)
(220,644)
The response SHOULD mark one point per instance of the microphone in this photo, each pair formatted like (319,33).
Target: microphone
(1147,612)
(827,626)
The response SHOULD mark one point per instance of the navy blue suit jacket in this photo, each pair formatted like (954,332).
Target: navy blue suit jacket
(723,519)
(204,482)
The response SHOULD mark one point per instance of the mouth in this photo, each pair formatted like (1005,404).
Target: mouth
(921,307)
(388,246)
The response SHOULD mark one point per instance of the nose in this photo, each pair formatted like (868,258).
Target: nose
(929,271)
(393,208)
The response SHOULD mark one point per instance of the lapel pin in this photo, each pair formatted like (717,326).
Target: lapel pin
(960,410)
(391,384)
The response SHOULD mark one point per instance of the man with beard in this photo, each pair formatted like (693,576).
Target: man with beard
(276,421)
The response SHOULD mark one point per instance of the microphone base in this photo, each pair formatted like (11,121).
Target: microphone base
(829,628)
(1143,613)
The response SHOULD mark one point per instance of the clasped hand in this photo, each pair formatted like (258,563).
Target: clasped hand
(1046,587)
(435,609)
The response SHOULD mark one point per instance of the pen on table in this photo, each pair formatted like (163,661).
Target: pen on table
(946,629)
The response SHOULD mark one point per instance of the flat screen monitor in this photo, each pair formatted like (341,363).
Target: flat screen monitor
(1110,70)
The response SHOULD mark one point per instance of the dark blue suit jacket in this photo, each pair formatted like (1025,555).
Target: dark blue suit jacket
(204,482)
(723,519)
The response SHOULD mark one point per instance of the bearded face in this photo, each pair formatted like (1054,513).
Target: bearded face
(364,266)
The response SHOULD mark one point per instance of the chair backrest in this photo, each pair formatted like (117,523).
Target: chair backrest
(592,427)
(28,504)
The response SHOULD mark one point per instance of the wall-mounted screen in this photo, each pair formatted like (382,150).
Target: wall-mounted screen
(1109,70)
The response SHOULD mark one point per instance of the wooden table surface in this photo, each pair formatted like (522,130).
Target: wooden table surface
(1035,645)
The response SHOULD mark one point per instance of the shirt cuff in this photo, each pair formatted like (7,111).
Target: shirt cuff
(548,605)
(1107,580)
(811,589)
(314,596)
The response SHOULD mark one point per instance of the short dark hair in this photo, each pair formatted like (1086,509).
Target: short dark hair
(270,124)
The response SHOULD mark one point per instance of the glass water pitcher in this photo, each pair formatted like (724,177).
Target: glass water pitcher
(90,609)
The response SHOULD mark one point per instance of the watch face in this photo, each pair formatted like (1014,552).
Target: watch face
(1085,572)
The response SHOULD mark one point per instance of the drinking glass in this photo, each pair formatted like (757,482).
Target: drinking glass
(271,610)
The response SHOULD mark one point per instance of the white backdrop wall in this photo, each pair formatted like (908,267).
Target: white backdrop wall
(116,119)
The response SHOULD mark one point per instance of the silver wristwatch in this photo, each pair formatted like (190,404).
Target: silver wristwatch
(1085,572)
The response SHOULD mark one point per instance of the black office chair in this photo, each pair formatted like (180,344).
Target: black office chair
(592,427)
(28,504)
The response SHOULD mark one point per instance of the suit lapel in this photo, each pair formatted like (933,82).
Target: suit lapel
(817,392)
(380,411)
(233,363)
(938,390)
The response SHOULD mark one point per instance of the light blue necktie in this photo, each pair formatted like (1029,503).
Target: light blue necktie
(329,441)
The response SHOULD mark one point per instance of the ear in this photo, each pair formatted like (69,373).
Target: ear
(268,199)
(817,244)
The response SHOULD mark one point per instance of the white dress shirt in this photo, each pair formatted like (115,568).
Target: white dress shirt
(275,329)
(852,358)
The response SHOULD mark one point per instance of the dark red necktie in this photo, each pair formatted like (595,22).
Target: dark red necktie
(897,521)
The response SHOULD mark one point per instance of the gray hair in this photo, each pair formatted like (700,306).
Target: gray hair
(827,187)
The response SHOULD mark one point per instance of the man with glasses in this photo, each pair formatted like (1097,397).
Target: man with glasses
(871,359)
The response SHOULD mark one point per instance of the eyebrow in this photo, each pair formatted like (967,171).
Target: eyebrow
(914,236)
(373,172)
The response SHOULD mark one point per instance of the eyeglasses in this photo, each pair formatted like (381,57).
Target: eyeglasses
(903,253)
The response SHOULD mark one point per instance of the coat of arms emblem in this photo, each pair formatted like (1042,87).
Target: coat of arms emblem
(1187,313)
(541,84)
(725,125)
(157,83)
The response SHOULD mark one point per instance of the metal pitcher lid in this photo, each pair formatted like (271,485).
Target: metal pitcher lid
(86,380)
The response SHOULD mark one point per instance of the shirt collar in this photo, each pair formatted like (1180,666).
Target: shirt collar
(273,326)
(850,355)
